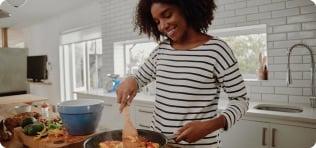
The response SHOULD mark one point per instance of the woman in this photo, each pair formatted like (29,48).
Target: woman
(190,67)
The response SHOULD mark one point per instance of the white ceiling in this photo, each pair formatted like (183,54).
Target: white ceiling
(32,12)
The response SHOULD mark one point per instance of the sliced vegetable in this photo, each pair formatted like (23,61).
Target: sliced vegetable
(27,121)
(33,129)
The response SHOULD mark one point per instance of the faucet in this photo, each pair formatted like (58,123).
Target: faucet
(289,77)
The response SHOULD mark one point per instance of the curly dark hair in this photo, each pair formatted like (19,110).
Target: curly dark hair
(198,14)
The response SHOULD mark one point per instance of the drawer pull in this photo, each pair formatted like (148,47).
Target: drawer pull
(145,111)
(264,130)
(273,137)
(143,126)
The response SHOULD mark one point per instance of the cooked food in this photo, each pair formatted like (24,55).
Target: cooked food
(139,141)
(27,121)
(16,120)
(33,129)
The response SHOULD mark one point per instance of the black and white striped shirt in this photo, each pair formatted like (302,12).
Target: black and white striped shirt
(188,84)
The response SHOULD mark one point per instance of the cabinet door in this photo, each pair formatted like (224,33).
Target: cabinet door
(107,117)
(246,134)
(143,117)
(285,136)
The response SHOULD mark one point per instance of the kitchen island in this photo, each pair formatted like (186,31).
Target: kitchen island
(258,128)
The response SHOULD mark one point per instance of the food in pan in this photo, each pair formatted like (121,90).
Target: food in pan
(139,141)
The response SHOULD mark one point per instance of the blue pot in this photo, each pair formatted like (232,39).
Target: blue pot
(81,117)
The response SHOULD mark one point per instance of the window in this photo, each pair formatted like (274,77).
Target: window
(247,43)
(80,62)
(129,55)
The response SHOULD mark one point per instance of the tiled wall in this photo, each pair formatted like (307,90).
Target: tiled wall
(288,22)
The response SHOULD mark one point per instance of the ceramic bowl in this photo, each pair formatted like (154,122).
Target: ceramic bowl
(80,117)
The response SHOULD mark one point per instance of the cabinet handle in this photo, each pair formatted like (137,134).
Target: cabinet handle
(273,137)
(144,126)
(264,130)
(145,111)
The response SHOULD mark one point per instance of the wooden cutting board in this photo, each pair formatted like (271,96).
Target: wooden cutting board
(63,142)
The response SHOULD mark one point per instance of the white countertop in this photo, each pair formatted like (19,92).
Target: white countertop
(307,116)
(20,99)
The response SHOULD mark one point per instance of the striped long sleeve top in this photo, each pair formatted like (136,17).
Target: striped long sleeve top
(188,84)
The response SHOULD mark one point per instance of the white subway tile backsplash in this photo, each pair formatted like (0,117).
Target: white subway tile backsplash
(222,2)
(275,98)
(274,1)
(300,83)
(309,25)
(271,7)
(299,67)
(285,44)
(236,19)
(308,9)
(270,75)
(287,28)
(301,18)
(288,22)
(301,35)
(298,3)
(286,12)
(288,91)
(218,21)
(269,30)
(258,16)
(257,2)
(284,60)
(277,52)
(257,89)
(225,14)
(245,11)
(310,42)
(282,76)
(255,97)
(237,5)
(273,83)
(248,23)
(307,75)
(276,37)
(307,91)
(277,67)
(299,99)
(252,83)
(275,21)
(270,44)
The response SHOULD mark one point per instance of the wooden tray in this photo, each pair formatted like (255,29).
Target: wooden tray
(61,142)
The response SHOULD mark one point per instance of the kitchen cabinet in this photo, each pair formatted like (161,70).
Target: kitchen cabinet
(143,116)
(285,136)
(253,131)
(268,135)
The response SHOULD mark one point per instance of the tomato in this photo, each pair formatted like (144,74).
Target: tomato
(149,145)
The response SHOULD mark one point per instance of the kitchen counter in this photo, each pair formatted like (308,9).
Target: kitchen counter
(308,116)
(20,99)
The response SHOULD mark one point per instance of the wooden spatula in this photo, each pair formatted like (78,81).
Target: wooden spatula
(129,133)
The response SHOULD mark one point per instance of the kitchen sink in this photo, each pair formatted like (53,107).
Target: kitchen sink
(279,108)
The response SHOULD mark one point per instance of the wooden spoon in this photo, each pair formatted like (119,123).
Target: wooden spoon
(129,133)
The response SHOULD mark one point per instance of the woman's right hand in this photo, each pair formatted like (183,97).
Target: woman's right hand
(126,92)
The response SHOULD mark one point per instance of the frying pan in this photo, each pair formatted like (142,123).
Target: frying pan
(93,141)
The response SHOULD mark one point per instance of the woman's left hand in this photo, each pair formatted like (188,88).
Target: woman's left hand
(196,130)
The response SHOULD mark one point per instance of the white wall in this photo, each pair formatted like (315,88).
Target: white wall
(44,38)
(288,22)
